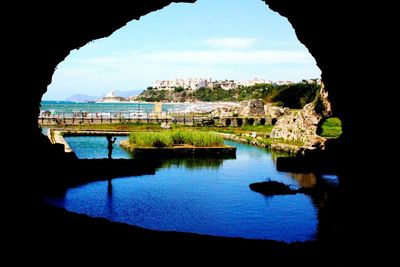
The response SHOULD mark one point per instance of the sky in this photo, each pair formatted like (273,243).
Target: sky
(218,39)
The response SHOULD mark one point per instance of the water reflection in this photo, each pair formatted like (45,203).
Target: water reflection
(330,178)
(206,196)
(192,163)
(276,154)
(209,196)
(304,179)
(109,198)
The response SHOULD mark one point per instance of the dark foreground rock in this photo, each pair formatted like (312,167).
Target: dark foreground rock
(272,188)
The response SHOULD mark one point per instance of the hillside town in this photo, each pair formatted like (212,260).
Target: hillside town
(175,86)
(196,83)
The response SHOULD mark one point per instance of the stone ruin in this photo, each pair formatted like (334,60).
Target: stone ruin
(302,126)
(251,108)
(275,112)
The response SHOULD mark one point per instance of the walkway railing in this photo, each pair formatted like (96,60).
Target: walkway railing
(121,117)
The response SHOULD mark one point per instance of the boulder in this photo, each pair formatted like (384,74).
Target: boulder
(275,112)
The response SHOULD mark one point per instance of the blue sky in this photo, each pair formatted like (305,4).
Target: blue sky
(218,39)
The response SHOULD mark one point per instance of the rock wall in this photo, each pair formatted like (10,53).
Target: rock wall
(248,108)
(225,112)
(275,112)
(252,108)
(302,126)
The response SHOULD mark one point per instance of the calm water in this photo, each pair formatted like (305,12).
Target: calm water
(200,196)
(96,147)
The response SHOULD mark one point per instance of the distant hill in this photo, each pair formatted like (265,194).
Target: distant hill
(81,98)
(128,93)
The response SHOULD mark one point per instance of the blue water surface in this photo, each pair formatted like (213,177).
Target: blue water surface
(199,196)
(96,147)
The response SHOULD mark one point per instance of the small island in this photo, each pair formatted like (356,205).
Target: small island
(175,143)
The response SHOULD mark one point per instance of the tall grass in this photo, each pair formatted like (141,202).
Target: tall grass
(331,127)
(175,137)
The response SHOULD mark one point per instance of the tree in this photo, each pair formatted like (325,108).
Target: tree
(179,89)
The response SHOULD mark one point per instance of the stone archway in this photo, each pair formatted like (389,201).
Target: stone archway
(249,121)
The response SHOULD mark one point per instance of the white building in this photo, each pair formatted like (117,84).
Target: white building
(316,81)
(256,81)
(226,84)
(283,82)
(112,98)
(191,83)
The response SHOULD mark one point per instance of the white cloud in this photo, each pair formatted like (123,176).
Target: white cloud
(137,69)
(199,57)
(228,57)
(231,43)
(126,62)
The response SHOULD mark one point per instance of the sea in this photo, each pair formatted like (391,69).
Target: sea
(69,108)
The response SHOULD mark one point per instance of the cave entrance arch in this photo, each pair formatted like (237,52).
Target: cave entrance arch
(96,30)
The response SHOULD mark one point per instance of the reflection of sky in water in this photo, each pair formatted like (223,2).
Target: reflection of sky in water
(213,199)
(95,147)
(332,179)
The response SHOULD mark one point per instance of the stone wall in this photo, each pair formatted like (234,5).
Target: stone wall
(302,126)
(248,108)
(275,112)
(252,108)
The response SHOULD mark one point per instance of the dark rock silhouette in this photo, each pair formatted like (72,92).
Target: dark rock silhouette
(270,188)
(333,32)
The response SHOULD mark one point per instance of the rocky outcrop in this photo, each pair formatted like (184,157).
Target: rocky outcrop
(270,188)
(248,108)
(275,112)
(56,137)
(302,126)
(226,112)
(252,108)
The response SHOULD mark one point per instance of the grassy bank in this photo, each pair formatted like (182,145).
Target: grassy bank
(331,128)
(174,138)
(137,127)
(261,129)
